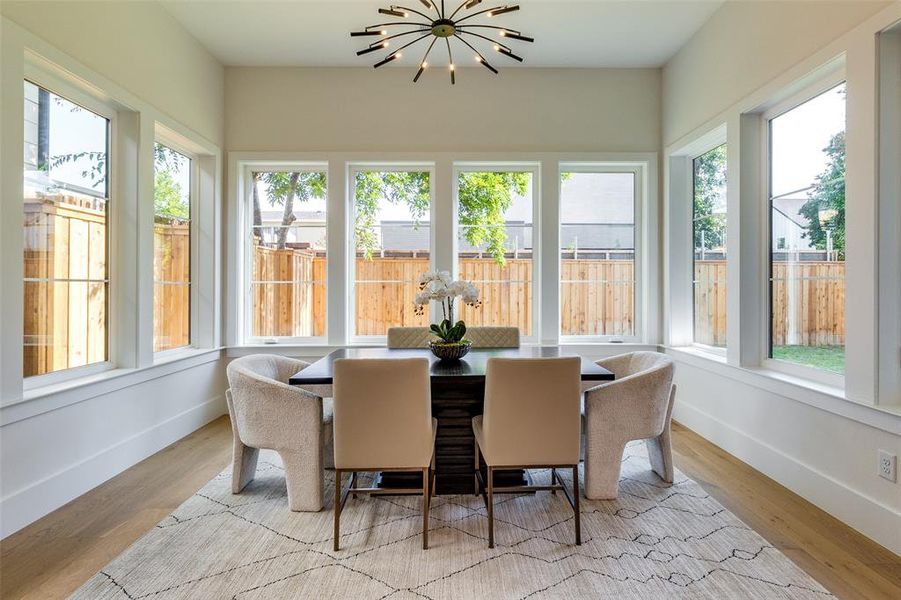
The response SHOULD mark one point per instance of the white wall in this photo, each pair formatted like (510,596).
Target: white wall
(743,46)
(522,109)
(819,442)
(56,444)
(139,46)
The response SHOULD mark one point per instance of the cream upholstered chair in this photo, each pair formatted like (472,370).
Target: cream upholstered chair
(638,405)
(531,420)
(268,413)
(493,337)
(409,337)
(383,422)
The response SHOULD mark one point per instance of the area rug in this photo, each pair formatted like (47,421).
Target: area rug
(654,541)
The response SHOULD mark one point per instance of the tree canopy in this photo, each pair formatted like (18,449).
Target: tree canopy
(169,200)
(709,186)
(825,207)
(484,199)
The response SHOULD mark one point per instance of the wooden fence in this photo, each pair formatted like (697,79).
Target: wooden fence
(596,297)
(171,288)
(64,321)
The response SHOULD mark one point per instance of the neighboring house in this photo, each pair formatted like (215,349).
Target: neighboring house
(789,226)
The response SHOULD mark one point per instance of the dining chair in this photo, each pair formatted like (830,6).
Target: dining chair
(268,413)
(493,337)
(637,405)
(409,337)
(531,420)
(383,422)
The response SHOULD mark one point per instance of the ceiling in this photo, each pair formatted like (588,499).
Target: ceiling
(581,33)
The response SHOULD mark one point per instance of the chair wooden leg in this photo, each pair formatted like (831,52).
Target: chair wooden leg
(425,508)
(553,480)
(576,512)
(337,508)
(490,507)
(353,482)
(431,483)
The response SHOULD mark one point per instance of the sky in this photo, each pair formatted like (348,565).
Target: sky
(798,139)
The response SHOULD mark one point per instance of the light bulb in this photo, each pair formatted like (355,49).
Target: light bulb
(406,15)
(502,33)
(397,55)
(478,58)
(497,48)
(383,32)
(490,14)
(385,44)
(424,64)
(452,66)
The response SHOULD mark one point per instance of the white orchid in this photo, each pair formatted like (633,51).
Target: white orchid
(439,286)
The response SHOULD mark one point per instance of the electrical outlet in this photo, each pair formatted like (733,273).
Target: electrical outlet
(888,465)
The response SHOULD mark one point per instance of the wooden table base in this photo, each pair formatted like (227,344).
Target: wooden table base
(454,404)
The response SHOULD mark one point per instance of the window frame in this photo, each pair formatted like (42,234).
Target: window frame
(246,236)
(638,171)
(170,142)
(785,105)
(350,272)
(108,110)
(533,167)
(692,157)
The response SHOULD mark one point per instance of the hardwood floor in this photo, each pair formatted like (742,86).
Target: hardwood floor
(54,556)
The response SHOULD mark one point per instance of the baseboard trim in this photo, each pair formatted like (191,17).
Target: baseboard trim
(25,506)
(868,516)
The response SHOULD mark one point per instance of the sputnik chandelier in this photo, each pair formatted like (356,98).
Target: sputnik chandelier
(440,26)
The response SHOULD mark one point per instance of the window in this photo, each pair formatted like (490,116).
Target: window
(709,231)
(171,249)
(392,247)
(287,252)
(66,203)
(495,216)
(807,228)
(597,253)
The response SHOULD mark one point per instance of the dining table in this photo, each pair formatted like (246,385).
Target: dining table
(457,395)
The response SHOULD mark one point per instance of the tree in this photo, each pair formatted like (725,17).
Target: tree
(484,199)
(709,186)
(283,188)
(825,207)
(406,187)
(168,200)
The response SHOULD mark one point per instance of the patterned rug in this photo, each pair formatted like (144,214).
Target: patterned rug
(655,541)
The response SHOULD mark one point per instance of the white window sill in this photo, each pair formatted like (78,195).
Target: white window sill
(825,397)
(54,396)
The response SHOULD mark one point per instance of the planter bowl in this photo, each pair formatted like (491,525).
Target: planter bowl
(450,352)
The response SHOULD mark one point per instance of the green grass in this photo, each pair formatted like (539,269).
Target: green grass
(829,358)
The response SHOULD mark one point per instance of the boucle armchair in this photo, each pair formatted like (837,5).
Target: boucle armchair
(268,413)
(638,405)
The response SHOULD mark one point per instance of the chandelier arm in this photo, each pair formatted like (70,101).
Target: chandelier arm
(450,58)
(430,4)
(462,4)
(413,42)
(490,27)
(423,15)
(422,62)
(483,11)
(485,38)
(479,54)
(402,23)
(397,35)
